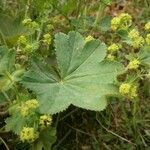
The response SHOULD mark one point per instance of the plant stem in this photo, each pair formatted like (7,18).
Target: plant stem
(99,14)
(3,38)
(4,143)
(8,75)
(134,111)
(6,96)
(122,138)
(27,8)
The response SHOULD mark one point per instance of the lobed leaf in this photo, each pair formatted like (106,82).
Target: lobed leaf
(85,79)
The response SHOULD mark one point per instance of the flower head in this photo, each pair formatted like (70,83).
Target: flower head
(134,64)
(22,40)
(133,92)
(33,103)
(123,21)
(148,39)
(125,18)
(47,39)
(128,90)
(89,38)
(28,48)
(110,57)
(45,120)
(30,24)
(114,48)
(133,34)
(124,88)
(28,134)
(29,105)
(27,22)
(115,23)
(147,26)
(137,40)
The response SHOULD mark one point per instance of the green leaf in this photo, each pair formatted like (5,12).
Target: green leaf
(85,79)
(46,139)
(105,23)
(144,55)
(69,6)
(7,73)
(107,2)
(2,98)
(11,29)
(7,60)
(15,123)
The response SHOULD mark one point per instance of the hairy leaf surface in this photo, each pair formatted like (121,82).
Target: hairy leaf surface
(85,79)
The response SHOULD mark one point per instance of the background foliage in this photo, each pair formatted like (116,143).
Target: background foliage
(124,124)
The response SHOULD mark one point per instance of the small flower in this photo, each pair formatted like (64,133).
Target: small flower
(134,64)
(114,48)
(133,92)
(148,39)
(28,134)
(22,40)
(133,34)
(33,103)
(45,120)
(123,21)
(115,23)
(110,57)
(24,110)
(89,38)
(138,42)
(125,18)
(47,39)
(29,105)
(28,48)
(128,90)
(27,22)
(147,27)
(30,24)
(124,88)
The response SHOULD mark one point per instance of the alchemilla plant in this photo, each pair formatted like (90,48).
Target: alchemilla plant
(85,72)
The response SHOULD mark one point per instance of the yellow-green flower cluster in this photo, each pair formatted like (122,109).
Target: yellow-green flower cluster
(137,40)
(28,134)
(124,88)
(128,90)
(123,21)
(47,39)
(110,57)
(133,93)
(138,43)
(29,105)
(115,23)
(147,27)
(114,48)
(45,120)
(30,24)
(134,34)
(134,64)
(22,40)
(25,45)
(148,39)
(89,38)
(28,48)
